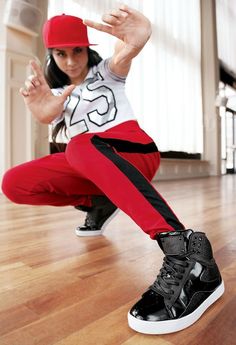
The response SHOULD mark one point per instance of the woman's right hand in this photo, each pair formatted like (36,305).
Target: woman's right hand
(39,99)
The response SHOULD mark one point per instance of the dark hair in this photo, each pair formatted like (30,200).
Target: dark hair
(56,78)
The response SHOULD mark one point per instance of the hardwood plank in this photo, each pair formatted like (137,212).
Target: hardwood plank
(221,327)
(58,289)
(17,317)
(93,285)
(146,340)
(110,330)
(71,319)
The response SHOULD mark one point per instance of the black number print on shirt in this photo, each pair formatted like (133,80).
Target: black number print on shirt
(101,108)
(93,93)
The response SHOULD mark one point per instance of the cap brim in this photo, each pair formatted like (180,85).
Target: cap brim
(71,45)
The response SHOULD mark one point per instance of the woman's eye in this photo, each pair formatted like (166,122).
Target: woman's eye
(60,54)
(77,50)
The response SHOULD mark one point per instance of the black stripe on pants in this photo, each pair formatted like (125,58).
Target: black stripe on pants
(137,179)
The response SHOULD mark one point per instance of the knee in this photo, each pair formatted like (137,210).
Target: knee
(78,152)
(10,185)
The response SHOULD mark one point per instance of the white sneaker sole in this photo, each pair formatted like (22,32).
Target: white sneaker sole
(170,326)
(99,232)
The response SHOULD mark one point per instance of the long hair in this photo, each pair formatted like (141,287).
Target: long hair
(56,78)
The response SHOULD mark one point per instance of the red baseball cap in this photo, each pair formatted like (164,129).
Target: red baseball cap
(65,31)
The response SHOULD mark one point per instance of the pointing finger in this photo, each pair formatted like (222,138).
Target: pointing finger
(37,70)
(97,26)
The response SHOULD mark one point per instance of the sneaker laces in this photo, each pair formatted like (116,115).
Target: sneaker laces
(170,276)
(86,221)
(89,221)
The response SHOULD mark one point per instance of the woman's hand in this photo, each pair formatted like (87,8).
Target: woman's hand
(133,30)
(39,98)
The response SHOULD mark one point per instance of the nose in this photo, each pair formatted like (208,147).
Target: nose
(70,61)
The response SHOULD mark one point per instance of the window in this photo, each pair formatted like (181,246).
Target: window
(164,85)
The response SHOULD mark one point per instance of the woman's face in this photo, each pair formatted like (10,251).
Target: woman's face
(73,61)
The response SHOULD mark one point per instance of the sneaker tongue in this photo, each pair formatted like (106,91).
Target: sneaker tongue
(174,243)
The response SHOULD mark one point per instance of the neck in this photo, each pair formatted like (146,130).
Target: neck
(78,80)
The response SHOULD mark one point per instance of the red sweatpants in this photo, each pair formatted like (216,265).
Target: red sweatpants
(119,163)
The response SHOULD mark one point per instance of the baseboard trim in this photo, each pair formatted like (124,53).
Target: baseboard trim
(172,169)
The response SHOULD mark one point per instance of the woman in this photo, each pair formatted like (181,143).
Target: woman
(108,154)
(101,209)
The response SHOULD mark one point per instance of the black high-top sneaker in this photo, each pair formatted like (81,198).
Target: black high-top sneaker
(98,216)
(188,283)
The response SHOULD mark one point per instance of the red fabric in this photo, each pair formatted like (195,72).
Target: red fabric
(70,178)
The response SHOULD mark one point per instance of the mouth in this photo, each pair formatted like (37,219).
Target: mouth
(72,70)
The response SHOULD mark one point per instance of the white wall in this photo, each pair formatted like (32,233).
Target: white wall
(210,83)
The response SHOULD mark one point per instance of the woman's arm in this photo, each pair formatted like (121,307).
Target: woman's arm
(38,97)
(132,29)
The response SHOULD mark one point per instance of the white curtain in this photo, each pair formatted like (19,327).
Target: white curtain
(226,32)
(164,85)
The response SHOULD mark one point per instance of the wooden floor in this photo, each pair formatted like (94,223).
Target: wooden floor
(58,289)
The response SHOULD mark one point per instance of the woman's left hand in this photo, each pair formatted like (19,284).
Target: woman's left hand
(128,25)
